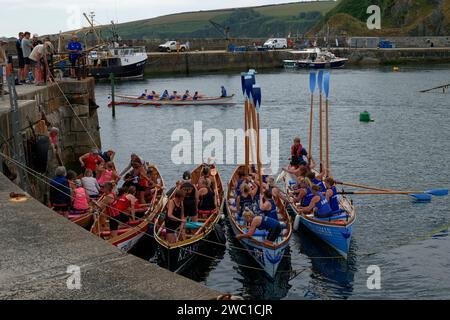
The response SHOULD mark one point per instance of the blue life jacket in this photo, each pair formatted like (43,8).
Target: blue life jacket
(224,92)
(268,223)
(172,98)
(334,200)
(185,96)
(272,213)
(320,184)
(150,97)
(307,198)
(323,207)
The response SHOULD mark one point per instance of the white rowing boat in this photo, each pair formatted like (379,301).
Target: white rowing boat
(137,102)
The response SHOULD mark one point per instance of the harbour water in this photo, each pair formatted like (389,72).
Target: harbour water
(407,147)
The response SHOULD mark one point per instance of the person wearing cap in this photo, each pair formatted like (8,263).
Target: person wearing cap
(3,62)
(74,47)
(91,160)
(27,46)
(80,198)
(224,92)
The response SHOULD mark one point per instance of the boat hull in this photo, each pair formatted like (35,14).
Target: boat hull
(132,101)
(267,258)
(85,220)
(129,241)
(304,64)
(135,70)
(337,237)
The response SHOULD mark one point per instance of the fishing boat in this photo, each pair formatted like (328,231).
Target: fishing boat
(267,255)
(176,256)
(336,231)
(137,102)
(315,59)
(106,57)
(130,233)
(124,62)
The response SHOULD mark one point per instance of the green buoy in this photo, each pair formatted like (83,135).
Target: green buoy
(365,117)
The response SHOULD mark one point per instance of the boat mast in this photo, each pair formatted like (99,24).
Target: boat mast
(91,22)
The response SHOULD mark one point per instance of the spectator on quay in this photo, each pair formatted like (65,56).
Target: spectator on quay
(75,48)
(3,62)
(49,51)
(37,59)
(26,50)
(35,40)
(20,59)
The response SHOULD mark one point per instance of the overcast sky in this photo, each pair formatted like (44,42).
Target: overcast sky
(51,16)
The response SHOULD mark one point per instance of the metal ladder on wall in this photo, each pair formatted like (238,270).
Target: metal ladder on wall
(18,154)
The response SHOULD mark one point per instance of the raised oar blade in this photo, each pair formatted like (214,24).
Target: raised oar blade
(421,197)
(256,95)
(243,75)
(326,84)
(312,81)
(438,192)
(320,81)
(248,85)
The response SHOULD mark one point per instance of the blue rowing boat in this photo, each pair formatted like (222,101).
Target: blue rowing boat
(335,231)
(268,255)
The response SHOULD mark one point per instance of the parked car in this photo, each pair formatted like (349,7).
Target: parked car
(170,46)
(276,43)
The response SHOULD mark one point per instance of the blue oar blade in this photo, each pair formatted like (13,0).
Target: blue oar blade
(312,81)
(320,81)
(326,84)
(438,192)
(421,197)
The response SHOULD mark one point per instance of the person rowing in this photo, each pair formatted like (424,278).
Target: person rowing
(175,219)
(331,194)
(143,95)
(262,223)
(317,180)
(174,96)
(164,95)
(186,96)
(318,205)
(190,200)
(223,92)
(151,95)
(267,206)
(196,96)
(303,194)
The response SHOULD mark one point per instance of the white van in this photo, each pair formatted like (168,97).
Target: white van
(276,43)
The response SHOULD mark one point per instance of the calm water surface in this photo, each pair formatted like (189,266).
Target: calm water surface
(407,147)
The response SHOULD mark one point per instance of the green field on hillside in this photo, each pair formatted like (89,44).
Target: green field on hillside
(262,21)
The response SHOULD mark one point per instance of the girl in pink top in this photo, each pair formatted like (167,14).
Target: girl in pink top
(109,174)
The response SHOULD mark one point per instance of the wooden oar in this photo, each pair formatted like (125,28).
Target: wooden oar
(320,84)
(312,87)
(247,137)
(416,196)
(327,151)
(434,192)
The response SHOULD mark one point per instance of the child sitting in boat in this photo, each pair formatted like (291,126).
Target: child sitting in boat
(262,223)
(318,205)
(298,154)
